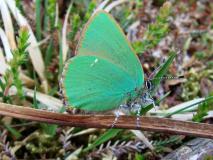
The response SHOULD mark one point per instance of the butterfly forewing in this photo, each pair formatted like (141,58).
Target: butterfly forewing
(103,37)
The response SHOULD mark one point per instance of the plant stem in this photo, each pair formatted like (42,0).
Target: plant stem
(156,124)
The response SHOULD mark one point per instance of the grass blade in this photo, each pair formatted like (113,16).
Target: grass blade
(101,6)
(114,4)
(158,76)
(8,25)
(147,108)
(38,19)
(6,45)
(4,66)
(49,52)
(52,103)
(188,106)
(64,34)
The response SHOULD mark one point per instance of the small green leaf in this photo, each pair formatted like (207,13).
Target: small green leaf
(12,130)
(139,157)
(49,129)
(103,138)
(50,9)
(90,10)
(203,109)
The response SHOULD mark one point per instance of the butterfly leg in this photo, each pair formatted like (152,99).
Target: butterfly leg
(117,114)
(136,107)
(138,117)
(122,108)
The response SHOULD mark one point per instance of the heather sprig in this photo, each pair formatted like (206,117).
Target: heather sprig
(155,31)
(12,75)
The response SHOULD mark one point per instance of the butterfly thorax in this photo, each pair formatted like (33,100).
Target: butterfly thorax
(141,98)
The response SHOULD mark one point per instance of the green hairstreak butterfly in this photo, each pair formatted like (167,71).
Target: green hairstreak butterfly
(105,72)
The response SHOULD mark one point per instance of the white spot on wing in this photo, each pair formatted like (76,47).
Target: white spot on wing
(95,61)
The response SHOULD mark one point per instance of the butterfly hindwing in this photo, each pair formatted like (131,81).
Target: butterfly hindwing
(95,84)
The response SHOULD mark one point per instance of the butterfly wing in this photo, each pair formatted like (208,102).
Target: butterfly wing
(103,37)
(95,84)
(106,72)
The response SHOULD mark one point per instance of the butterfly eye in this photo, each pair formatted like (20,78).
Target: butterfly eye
(148,85)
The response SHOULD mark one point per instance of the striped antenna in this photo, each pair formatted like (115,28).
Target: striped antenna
(170,77)
(149,85)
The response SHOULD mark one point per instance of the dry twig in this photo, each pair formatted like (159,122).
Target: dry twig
(105,121)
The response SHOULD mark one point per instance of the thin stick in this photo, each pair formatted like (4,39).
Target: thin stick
(163,125)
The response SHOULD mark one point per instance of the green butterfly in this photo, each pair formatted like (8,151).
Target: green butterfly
(105,73)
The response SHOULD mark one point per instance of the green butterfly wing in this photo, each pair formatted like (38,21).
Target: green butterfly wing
(106,72)
(103,37)
(95,84)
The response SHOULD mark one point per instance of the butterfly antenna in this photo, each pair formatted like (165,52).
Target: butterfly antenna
(169,77)
(157,69)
